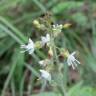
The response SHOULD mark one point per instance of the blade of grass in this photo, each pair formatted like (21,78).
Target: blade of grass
(10,33)
(21,90)
(13,88)
(14,30)
(32,70)
(40,5)
(8,78)
(30,85)
(15,59)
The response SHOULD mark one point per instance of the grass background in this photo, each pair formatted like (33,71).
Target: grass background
(18,72)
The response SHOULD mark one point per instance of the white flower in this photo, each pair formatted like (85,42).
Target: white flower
(45,75)
(45,39)
(44,62)
(41,62)
(72,61)
(29,47)
(57,28)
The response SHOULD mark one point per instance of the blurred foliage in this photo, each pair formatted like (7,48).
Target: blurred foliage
(17,72)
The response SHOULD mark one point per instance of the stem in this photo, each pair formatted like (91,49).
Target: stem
(30,85)
(43,86)
(54,48)
(57,60)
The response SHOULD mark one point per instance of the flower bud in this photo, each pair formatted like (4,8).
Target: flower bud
(38,44)
(36,23)
(65,53)
(50,52)
(67,25)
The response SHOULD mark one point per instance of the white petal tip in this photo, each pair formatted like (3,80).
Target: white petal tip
(22,46)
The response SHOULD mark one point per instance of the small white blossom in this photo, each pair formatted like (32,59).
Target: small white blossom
(57,28)
(44,62)
(45,75)
(41,62)
(45,39)
(72,61)
(29,47)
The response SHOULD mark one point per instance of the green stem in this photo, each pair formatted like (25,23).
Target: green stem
(43,86)
(57,60)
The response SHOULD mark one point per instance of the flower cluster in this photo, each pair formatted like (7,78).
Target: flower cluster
(30,48)
(57,29)
(46,40)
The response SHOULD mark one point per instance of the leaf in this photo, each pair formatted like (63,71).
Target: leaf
(13,32)
(74,88)
(18,73)
(79,90)
(14,61)
(90,61)
(47,94)
(63,6)
(2,34)
(6,41)
(13,35)
(4,5)
(80,18)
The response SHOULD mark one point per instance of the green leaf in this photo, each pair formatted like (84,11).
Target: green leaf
(79,90)
(18,73)
(47,94)
(14,62)
(13,32)
(80,18)
(90,61)
(6,41)
(2,34)
(63,6)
